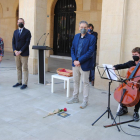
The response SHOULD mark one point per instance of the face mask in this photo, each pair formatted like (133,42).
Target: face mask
(136,58)
(83,31)
(21,25)
(89,30)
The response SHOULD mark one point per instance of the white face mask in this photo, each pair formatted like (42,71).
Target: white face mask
(83,31)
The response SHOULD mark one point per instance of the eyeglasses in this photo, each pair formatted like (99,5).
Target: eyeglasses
(21,22)
(84,28)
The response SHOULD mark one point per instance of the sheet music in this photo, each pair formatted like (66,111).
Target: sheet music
(112,73)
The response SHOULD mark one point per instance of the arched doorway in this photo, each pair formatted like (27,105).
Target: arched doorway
(64,26)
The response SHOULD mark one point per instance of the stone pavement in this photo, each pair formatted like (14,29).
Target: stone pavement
(22,111)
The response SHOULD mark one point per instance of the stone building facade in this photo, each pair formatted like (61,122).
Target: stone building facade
(116,21)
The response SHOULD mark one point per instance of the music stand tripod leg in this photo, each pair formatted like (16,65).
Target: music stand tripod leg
(108,104)
(108,109)
(114,120)
(100,117)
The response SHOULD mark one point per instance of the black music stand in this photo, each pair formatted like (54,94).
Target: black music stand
(109,73)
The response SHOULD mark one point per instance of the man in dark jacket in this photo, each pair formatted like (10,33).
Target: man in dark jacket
(92,71)
(1,49)
(136,57)
(82,51)
(20,43)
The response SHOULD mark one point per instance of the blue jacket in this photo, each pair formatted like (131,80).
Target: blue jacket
(87,53)
(21,43)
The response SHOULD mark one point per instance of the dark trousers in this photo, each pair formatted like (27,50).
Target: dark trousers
(92,74)
(92,71)
(137,106)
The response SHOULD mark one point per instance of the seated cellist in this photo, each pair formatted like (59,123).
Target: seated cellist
(136,58)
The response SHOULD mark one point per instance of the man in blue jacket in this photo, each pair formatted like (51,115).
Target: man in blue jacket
(82,53)
(20,43)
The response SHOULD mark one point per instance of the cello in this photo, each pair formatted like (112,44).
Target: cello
(128,93)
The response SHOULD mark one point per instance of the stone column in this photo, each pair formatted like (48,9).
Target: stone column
(34,13)
(8,21)
(111,41)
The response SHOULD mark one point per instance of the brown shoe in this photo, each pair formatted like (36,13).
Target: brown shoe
(92,83)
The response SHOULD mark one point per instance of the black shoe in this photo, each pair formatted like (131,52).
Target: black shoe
(23,87)
(122,111)
(17,84)
(92,83)
(136,116)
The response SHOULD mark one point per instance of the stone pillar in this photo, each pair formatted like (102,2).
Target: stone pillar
(34,13)
(8,21)
(131,32)
(111,42)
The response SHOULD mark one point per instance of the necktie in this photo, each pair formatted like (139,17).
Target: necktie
(19,33)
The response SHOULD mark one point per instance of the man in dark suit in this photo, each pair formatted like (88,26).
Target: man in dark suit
(20,43)
(82,51)
(92,71)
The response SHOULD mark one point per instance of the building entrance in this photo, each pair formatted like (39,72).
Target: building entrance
(64,26)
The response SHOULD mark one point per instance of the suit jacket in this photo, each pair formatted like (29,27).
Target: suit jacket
(87,52)
(21,43)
